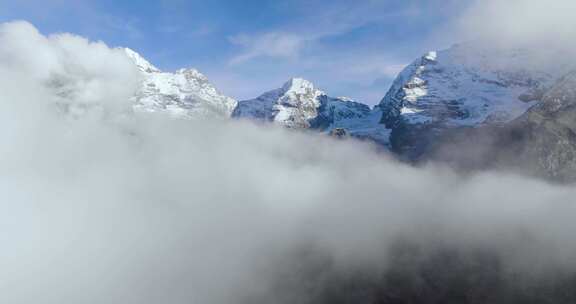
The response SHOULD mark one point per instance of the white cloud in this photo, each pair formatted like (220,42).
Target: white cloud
(289,41)
(123,209)
(273,44)
(76,70)
(544,23)
(127,26)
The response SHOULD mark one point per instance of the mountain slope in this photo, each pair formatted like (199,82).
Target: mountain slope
(185,93)
(468,85)
(541,142)
(547,133)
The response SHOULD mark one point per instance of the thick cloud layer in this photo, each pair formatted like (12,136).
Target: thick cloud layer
(119,208)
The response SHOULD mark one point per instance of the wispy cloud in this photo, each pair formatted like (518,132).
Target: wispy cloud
(273,44)
(129,26)
(328,44)
(287,42)
(521,21)
(341,45)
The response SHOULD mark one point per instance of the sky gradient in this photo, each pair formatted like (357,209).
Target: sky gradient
(347,48)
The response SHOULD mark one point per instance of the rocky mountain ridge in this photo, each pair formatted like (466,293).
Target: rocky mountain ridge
(515,112)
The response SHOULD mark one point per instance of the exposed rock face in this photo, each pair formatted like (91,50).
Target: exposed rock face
(546,134)
(544,139)
(185,93)
(339,133)
(464,86)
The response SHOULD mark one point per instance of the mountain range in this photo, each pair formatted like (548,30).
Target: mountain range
(469,105)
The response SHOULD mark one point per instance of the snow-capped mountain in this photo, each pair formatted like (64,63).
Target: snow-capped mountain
(299,104)
(185,93)
(439,96)
(293,105)
(465,86)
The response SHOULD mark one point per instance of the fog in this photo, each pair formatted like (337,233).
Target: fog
(102,205)
(520,23)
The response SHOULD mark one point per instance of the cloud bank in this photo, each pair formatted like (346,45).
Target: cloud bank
(100,205)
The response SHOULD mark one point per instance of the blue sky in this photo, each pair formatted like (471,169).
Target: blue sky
(348,48)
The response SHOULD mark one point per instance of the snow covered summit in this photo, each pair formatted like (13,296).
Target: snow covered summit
(293,105)
(185,93)
(468,85)
(299,104)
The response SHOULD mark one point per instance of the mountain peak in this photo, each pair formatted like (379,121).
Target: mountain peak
(298,85)
(185,93)
(299,104)
(142,64)
(431,56)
